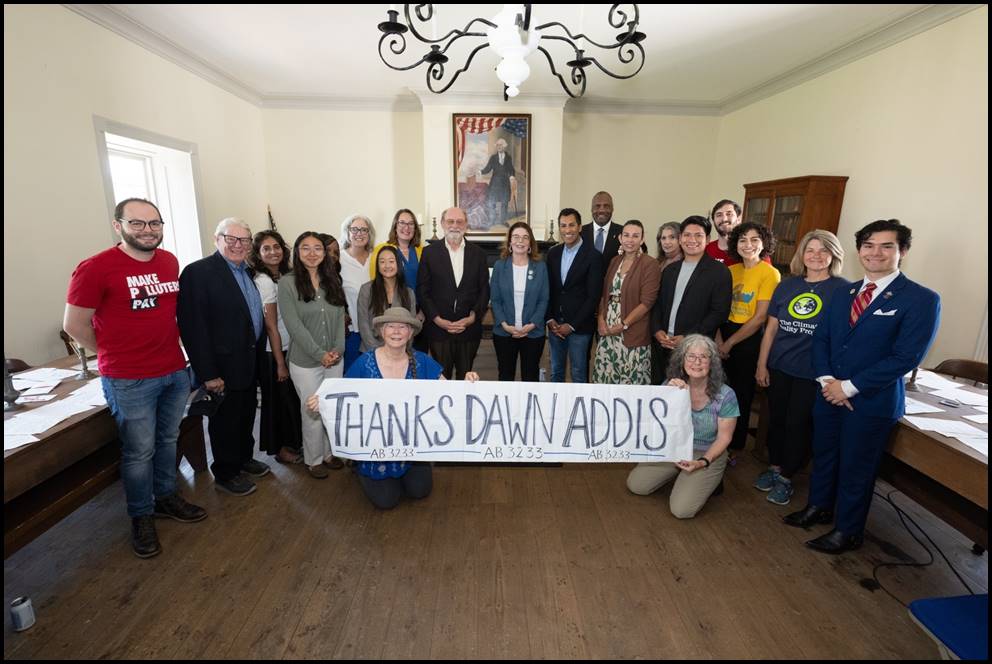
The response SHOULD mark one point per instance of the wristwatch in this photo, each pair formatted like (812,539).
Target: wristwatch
(625,326)
(704,460)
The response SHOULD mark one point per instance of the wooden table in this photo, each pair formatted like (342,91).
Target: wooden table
(942,474)
(44,482)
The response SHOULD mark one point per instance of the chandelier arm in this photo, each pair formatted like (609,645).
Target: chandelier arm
(436,71)
(572,40)
(396,38)
(578,76)
(620,56)
(467,34)
(426,17)
(621,17)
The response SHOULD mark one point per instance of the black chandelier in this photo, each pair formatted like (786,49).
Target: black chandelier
(511,36)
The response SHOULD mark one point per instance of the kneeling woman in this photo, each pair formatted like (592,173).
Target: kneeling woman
(695,364)
(385,482)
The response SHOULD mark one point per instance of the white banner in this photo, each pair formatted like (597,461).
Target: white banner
(488,421)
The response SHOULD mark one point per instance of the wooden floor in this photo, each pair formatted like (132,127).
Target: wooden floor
(499,562)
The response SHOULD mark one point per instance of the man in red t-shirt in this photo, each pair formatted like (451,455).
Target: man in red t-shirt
(725,216)
(122,303)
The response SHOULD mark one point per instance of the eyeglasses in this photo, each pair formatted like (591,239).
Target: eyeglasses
(520,238)
(358,231)
(702,359)
(139,225)
(405,224)
(233,240)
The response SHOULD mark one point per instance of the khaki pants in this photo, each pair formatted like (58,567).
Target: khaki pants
(691,490)
(316,446)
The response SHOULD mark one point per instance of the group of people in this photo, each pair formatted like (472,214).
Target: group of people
(709,317)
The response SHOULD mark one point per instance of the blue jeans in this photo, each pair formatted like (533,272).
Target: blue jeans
(148,412)
(573,349)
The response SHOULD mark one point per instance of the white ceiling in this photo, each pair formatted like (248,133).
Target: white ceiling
(709,58)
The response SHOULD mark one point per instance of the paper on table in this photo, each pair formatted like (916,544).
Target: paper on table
(964,396)
(914,407)
(44,418)
(13,441)
(37,388)
(978,419)
(978,444)
(46,374)
(934,381)
(983,409)
(947,427)
(34,398)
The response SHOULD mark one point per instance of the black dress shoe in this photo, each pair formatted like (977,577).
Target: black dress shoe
(808,516)
(836,542)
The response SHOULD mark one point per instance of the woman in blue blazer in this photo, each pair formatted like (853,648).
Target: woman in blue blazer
(519,292)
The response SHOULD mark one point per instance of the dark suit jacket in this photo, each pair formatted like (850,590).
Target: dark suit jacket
(705,304)
(889,340)
(437,294)
(574,302)
(215,324)
(612,246)
(499,181)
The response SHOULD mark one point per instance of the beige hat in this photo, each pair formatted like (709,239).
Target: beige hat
(398,315)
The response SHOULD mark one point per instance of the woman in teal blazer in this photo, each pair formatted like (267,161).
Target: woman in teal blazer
(519,295)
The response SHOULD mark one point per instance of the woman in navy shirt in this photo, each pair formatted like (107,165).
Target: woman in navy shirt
(785,362)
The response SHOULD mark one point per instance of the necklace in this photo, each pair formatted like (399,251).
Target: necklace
(811,286)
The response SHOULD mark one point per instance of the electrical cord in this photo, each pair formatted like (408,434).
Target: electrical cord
(902,518)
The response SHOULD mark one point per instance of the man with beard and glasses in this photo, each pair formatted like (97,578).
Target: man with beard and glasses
(453,292)
(122,304)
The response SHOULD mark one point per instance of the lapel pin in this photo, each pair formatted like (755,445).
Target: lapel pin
(852,291)
(887,295)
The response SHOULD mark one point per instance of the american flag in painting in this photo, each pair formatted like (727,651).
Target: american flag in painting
(482,125)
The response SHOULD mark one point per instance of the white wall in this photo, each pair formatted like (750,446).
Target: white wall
(909,127)
(657,167)
(325,165)
(59,71)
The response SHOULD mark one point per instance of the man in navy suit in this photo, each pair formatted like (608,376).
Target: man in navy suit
(575,280)
(871,337)
(603,235)
(221,323)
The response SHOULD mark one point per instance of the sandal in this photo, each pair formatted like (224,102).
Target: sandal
(287,455)
(334,463)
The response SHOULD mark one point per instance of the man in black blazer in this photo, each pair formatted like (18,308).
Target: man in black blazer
(603,234)
(572,303)
(695,292)
(453,292)
(220,321)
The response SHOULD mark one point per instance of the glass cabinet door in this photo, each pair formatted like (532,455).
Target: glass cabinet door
(757,210)
(785,226)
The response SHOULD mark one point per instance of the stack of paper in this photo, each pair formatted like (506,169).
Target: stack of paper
(969,435)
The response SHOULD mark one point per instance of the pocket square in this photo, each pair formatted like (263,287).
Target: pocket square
(879,312)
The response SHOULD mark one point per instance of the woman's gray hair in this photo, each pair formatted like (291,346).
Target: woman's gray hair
(231,221)
(829,242)
(676,364)
(346,230)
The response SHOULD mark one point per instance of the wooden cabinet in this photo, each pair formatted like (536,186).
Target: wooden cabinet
(792,208)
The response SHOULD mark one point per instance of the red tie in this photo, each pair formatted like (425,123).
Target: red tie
(861,302)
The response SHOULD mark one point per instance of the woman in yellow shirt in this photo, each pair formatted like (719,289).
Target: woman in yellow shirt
(739,339)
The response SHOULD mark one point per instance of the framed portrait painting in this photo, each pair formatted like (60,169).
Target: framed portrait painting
(492,170)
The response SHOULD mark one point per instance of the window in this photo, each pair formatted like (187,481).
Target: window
(138,164)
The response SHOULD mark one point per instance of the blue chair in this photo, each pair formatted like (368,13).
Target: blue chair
(958,625)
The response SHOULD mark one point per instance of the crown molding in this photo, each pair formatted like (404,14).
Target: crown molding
(398,104)
(112,19)
(914,24)
(929,17)
(531,100)
(641,107)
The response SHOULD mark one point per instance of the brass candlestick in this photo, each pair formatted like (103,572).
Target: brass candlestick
(9,393)
(434,234)
(84,372)
(551,230)
(911,385)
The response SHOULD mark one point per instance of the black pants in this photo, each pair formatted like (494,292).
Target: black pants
(455,356)
(659,363)
(529,350)
(280,413)
(790,426)
(386,493)
(230,429)
(740,368)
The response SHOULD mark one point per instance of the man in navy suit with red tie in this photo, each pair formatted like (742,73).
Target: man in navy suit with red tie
(871,337)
